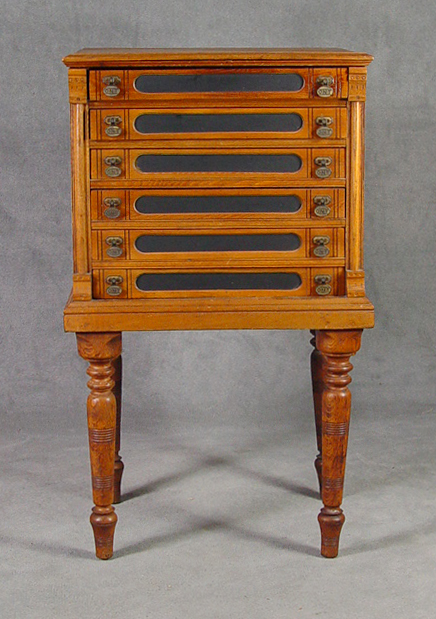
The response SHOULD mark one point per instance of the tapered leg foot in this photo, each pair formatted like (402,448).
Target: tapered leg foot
(316,366)
(118,464)
(100,350)
(103,521)
(330,521)
(336,348)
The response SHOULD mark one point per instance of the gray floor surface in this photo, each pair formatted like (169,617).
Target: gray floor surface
(221,523)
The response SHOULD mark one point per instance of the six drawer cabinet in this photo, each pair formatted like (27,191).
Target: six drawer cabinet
(217,189)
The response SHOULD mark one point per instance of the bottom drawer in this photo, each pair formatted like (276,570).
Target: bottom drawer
(143,284)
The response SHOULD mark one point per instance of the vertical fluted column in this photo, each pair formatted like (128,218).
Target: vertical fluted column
(117,391)
(316,366)
(336,348)
(100,350)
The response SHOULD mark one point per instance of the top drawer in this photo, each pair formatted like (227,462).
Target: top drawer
(217,87)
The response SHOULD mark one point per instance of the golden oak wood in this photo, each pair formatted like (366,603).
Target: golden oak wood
(336,347)
(276,57)
(108,187)
(101,350)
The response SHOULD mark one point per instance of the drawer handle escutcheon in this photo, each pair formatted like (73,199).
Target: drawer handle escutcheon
(323,171)
(112,130)
(324,130)
(325,86)
(112,211)
(322,208)
(114,291)
(114,250)
(321,251)
(111,82)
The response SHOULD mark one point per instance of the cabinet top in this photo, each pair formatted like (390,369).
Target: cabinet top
(222,57)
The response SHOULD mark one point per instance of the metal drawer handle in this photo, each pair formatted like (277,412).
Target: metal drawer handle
(323,171)
(113,170)
(113,160)
(323,288)
(115,243)
(325,83)
(322,208)
(112,211)
(114,289)
(112,130)
(321,279)
(113,120)
(111,82)
(324,129)
(321,251)
(114,280)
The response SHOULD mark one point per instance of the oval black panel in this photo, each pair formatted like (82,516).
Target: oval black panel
(220,82)
(200,123)
(218,163)
(148,282)
(147,243)
(217,204)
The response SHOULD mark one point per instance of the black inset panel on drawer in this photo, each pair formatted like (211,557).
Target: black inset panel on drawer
(197,123)
(218,281)
(217,204)
(218,163)
(217,242)
(220,82)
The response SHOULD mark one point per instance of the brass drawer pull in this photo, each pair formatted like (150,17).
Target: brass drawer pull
(323,288)
(112,130)
(111,82)
(113,170)
(325,83)
(323,171)
(114,289)
(321,251)
(114,251)
(324,130)
(322,208)
(112,211)
(114,280)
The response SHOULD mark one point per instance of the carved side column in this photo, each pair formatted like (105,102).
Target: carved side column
(336,348)
(100,350)
(117,391)
(316,366)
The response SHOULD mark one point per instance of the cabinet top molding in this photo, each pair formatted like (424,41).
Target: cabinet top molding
(220,56)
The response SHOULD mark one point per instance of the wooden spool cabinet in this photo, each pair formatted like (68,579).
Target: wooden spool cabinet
(217,189)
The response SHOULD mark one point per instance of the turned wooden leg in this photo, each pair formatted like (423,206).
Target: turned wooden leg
(117,391)
(316,366)
(100,350)
(336,348)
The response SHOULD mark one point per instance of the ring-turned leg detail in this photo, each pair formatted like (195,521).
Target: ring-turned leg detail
(316,366)
(336,348)
(117,391)
(100,350)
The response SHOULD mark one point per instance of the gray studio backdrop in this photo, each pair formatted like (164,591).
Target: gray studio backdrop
(178,381)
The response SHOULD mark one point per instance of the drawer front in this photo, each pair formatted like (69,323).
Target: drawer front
(148,165)
(246,207)
(118,124)
(146,283)
(218,87)
(217,247)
